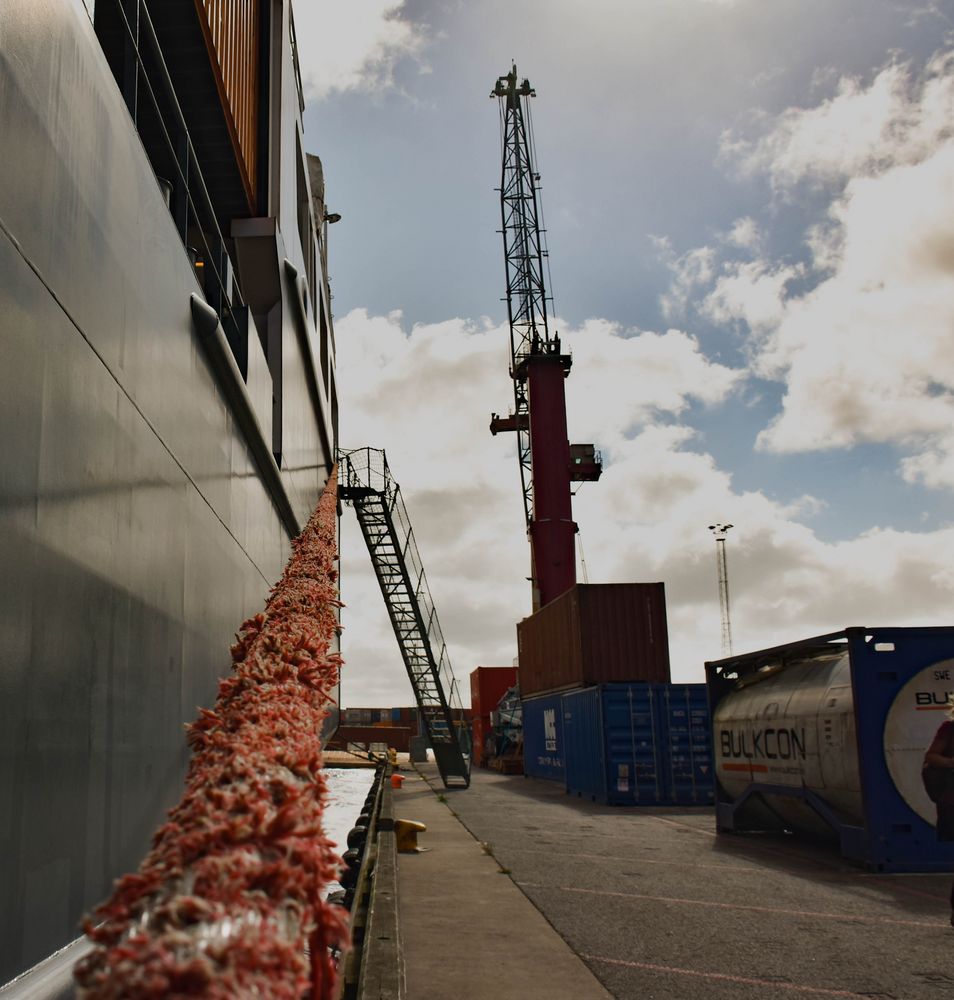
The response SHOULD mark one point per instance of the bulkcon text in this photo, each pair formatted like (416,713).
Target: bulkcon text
(763,744)
(933,699)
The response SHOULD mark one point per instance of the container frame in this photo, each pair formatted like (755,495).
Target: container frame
(893,837)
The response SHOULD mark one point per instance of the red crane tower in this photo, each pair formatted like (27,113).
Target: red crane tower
(548,462)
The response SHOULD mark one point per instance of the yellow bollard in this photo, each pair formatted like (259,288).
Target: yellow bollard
(405,834)
(392,757)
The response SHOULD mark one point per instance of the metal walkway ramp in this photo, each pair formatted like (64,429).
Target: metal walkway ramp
(366,483)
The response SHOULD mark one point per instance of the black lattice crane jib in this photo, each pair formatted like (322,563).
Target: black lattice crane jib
(548,463)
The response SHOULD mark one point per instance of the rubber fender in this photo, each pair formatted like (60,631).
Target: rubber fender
(357,836)
(352,858)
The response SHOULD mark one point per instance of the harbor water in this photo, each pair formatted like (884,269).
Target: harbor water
(347,789)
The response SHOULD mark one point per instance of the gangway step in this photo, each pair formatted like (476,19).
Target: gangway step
(368,486)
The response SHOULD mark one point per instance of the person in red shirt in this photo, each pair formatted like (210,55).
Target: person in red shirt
(940,756)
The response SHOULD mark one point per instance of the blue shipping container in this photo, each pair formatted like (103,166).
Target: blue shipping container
(543,752)
(639,744)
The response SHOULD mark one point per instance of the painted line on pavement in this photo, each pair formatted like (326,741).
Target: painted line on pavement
(724,977)
(739,906)
(910,890)
(633,860)
(846,879)
(812,862)
(686,826)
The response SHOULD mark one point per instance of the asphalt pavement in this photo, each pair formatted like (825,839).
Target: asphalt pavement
(659,907)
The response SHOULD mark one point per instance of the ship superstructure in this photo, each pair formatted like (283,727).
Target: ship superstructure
(168,411)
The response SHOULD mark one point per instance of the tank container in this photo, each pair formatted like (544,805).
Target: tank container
(543,746)
(828,735)
(639,744)
(593,634)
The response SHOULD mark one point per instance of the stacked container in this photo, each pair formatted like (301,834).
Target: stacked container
(406,718)
(639,744)
(487,686)
(595,633)
(591,635)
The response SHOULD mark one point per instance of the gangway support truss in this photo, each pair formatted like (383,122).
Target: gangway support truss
(367,484)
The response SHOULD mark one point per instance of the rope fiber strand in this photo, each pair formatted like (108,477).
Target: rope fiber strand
(228,901)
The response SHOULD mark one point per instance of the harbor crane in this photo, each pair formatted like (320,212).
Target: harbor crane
(538,365)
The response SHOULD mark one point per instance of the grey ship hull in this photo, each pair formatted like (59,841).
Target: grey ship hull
(135,528)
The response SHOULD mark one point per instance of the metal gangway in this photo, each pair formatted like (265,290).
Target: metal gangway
(365,482)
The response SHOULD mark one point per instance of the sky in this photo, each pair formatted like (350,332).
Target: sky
(748,212)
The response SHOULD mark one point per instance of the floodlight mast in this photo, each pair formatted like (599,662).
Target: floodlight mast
(720,531)
(548,463)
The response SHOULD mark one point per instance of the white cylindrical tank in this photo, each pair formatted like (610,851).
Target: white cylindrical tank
(793,726)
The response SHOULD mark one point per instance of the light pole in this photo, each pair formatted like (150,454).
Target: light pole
(720,530)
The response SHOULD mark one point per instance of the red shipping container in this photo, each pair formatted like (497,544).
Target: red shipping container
(480,729)
(487,686)
(595,633)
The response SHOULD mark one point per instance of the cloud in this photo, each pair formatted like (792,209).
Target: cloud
(426,393)
(754,291)
(859,131)
(623,380)
(691,271)
(647,520)
(745,233)
(356,45)
(866,354)
(859,332)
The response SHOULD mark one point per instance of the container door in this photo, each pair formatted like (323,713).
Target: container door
(632,744)
(688,743)
(543,740)
(583,744)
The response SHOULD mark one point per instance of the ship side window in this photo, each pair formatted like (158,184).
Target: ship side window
(306,227)
(323,339)
(334,412)
(293,39)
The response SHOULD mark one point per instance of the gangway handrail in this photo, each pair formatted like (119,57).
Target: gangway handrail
(368,485)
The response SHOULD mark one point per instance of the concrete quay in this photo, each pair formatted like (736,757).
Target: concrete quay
(527,892)
(467,931)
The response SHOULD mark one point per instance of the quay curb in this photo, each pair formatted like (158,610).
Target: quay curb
(382,966)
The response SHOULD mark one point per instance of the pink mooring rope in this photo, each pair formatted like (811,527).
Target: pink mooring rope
(227,903)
